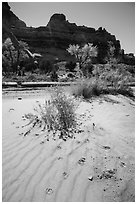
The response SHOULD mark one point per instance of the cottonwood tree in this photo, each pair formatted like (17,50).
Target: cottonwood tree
(83,55)
(11,55)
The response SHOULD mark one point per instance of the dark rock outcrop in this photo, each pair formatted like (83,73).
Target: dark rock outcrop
(9,18)
(53,40)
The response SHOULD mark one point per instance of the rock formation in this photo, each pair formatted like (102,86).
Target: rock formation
(53,40)
(9,18)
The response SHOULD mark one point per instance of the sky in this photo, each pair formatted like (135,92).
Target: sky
(118,18)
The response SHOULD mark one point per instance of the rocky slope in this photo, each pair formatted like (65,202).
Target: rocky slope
(53,40)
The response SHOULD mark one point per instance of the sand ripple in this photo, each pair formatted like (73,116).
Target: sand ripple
(35,171)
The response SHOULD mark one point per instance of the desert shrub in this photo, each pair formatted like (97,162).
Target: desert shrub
(66,110)
(118,77)
(108,79)
(112,75)
(87,88)
(96,86)
(57,116)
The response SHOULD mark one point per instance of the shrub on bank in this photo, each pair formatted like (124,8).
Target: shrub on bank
(94,87)
(87,88)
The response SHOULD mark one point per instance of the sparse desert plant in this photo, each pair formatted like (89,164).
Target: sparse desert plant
(117,84)
(66,110)
(116,79)
(56,115)
(87,88)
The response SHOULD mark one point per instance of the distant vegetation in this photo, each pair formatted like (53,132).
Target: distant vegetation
(83,55)
(88,88)
(12,57)
(113,76)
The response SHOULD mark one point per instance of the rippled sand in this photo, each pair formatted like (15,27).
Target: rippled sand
(34,169)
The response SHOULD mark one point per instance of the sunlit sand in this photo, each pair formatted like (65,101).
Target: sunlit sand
(98,164)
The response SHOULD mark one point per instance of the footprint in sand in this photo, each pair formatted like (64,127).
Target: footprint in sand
(86,140)
(90,178)
(65,175)
(81,161)
(58,147)
(59,158)
(42,142)
(36,134)
(11,109)
(106,147)
(122,164)
(49,191)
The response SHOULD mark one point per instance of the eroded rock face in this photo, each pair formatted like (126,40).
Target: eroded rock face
(56,37)
(59,17)
(10,18)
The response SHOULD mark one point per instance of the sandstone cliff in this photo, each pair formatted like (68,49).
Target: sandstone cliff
(53,40)
(9,18)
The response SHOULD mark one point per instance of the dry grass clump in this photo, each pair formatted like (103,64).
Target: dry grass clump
(116,79)
(87,88)
(56,116)
(65,110)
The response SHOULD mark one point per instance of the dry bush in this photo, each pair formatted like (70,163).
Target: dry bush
(110,84)
(87,88)
(107,80)
(57,115)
